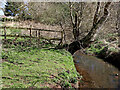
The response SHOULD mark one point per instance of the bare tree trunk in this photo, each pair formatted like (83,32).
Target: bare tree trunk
(76,20)
(96,19)
(118,23)
(75,28)
(97,23)
(87,39)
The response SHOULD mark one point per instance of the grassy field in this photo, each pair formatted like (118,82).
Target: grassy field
(39,68)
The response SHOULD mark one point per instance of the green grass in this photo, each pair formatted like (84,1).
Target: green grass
(95,48)
(11,31)
(98,46)
(37,68)
(29,66)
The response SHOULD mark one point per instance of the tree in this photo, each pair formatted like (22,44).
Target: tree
(49,13)
(12,8)
(19,9)
(97,22)
(76,18)
(118,23)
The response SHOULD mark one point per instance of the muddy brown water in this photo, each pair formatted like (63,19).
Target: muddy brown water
(99,74)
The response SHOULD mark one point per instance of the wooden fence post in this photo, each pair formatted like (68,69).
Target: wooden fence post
(36,35)
(30,33)
(62,37)
(5,33)
(61,41)
(38,38)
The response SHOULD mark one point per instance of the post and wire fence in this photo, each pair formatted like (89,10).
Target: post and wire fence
(36,37)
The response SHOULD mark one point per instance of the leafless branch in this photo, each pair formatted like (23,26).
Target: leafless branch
(80,15)
(71,16)
(96,14)
(63,31)
(98,24)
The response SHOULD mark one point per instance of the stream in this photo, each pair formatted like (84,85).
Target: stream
(99,74)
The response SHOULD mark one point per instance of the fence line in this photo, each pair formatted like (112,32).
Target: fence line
(5,32)
(38,36)
(7,27)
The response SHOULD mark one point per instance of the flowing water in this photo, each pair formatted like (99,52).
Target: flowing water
(101,73)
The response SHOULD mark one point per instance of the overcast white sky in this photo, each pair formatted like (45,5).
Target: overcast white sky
(2,5)
(1,12)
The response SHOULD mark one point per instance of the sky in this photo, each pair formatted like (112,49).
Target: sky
(1,12)
(2,6)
